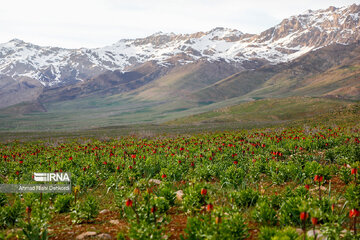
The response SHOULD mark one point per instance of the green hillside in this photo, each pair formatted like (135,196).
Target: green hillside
(189,90)
(267,111)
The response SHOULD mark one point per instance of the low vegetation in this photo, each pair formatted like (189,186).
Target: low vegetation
(265,183)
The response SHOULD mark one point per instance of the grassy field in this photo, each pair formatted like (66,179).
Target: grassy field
(254,114)
(268,110)
(281,180)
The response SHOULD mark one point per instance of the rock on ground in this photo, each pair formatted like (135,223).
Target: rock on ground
(115,222)
(319,235)
(85,234)
(155,181)
(103,236)
(104,211)
(179,195)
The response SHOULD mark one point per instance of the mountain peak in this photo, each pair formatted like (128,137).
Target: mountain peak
(157,33)
(223,29)
(217,29)
(317,28)
(332,9)
(161,33)
(227,34)
(16,41)
(288,40)
(354,7)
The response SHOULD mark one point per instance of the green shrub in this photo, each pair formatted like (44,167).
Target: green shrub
(300,191)
(289,212)
(332,231)
(167,192)
(330,155)
(345,175)
(230,227)
(63,203)
(203,172)
(144,230)
(276,201)
(311,169)
(264,213)
(146,216)
(245,198)
(233,175)
(161,203)
(271,233)
(352,195)
(33,231)
(37,227)
(193,200)
(85,211)
(86,181)
(10,215)
(3,199)
(283,171)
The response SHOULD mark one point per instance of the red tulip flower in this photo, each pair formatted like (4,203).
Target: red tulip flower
(153,209)
(303,216)
(354,213)
(354,171)
(129,203)
(307,186)
(209,207)
(235,162)
(203,191)
(314,220)
(28,209)
(163,176)
(318,178)
(105,163)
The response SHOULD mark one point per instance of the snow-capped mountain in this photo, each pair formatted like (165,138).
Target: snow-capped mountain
(286,41)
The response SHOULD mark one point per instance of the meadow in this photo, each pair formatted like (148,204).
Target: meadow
(287,181)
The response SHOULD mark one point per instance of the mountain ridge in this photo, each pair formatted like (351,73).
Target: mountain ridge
(291,77)
(167,76)
(294,36)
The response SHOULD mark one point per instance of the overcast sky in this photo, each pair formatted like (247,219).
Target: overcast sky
(96,23)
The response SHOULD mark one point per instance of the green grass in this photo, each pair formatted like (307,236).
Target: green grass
(81,114)
(287,109)
(256,114)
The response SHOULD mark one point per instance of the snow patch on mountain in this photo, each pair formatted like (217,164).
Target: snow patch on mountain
(286,41)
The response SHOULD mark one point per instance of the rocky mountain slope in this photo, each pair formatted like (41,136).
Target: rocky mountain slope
(165,76)
(333,71)
(291,38)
